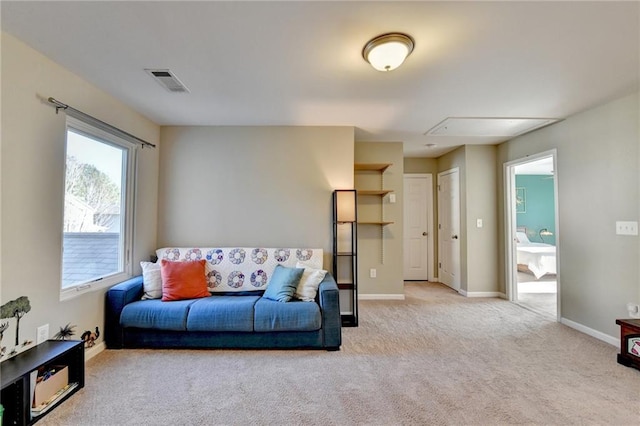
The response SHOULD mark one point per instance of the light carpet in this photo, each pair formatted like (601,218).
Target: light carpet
(435,358)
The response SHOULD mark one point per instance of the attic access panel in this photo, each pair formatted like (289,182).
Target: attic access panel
(488,126)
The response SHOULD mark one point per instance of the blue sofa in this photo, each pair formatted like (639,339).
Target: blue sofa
(223,320)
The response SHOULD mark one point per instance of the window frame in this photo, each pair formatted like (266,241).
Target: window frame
(128,186)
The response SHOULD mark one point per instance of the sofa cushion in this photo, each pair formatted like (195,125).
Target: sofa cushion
(283,283)
(222,313)
(292,316)
(156,314)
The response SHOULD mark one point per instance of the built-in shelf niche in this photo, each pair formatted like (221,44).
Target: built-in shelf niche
(378,168)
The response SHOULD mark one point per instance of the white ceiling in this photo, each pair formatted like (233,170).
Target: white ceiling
(300,63)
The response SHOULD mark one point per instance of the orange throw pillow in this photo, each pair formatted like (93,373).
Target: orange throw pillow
(183,280)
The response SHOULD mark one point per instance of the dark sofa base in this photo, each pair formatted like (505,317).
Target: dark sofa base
(145,338)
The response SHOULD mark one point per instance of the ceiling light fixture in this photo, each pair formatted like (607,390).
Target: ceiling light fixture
(388,51)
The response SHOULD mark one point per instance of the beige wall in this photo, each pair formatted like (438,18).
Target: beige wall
(32,174)
(252,186)
(380,247)
(597,172)
(478,200)
(420,165)
(481,203)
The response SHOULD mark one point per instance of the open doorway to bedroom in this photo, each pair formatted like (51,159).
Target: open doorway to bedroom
(532,206)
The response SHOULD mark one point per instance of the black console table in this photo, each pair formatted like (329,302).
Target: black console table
(16,372)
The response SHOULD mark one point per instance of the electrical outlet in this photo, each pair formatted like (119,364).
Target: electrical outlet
(634,310)
(626,228)
(372,273)
(42,334)
(392,198)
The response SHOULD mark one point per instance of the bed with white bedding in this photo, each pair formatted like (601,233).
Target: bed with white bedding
(539,258)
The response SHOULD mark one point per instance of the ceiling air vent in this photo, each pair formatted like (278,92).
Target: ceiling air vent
(168,80)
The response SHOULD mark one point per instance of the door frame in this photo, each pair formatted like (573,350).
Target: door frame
(457,284)
(431,263)
(511,269)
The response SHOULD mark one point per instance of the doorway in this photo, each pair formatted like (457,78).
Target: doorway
(532,233)
(418,227)
(449,228)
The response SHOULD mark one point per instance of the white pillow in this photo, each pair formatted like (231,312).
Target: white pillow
(308,285)
(152,280)
(521,237)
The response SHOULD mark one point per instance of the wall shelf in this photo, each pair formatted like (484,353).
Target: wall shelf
(379,167)
(374,169)
(381,192)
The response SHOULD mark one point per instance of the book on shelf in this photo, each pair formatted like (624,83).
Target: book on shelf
(40,409)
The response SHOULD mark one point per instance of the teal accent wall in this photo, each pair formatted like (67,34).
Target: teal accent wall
(539,207)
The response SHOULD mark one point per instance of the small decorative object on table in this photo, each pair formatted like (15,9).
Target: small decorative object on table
(629,342)
(66,331)
(89,337)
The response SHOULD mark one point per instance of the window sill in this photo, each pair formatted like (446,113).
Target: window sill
(81,289)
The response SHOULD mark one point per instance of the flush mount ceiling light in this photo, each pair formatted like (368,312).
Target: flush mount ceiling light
(388,51)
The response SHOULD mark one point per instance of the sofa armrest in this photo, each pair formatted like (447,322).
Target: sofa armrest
(116,298)
(329,301)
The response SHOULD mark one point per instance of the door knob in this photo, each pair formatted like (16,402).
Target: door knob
(455,237)
(424,234)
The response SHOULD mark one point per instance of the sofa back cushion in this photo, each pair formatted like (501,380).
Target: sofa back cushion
(242,269)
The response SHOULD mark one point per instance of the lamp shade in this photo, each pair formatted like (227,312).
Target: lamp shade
(388,51)
(345,205)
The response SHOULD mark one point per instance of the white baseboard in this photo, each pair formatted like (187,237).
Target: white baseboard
(591,332)
(482,294)
(95,350)
(380,296)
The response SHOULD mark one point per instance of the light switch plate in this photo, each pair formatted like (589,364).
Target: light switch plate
(479,223)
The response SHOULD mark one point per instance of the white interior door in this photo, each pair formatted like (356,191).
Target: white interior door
(418,240)
(449,228)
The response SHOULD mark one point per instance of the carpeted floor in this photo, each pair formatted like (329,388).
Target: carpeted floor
(539,295)
(435,358)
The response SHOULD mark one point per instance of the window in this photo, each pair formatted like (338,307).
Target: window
(98,209)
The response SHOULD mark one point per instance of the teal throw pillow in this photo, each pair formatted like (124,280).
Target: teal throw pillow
(283,283)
